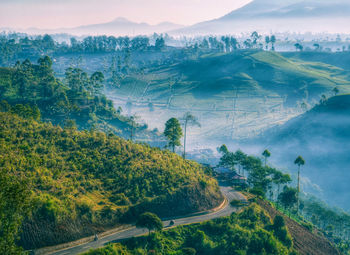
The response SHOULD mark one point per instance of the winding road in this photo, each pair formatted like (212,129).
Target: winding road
(226,210)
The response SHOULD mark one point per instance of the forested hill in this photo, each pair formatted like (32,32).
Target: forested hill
(81,182)
(322,136)
(77,99)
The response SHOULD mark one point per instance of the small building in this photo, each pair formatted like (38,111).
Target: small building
(230,176)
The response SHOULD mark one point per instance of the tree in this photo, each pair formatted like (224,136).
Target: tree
(160,43)
(173,132)
(267,41)
(279,179)
(299,47)
(14,205)
(317,46)
(190,120)
(96,80)
(255,37)
(133,125)
(150,221)
(335,91)
(273,41)
(266,155)
(227,159)
(300,162)
(288,197)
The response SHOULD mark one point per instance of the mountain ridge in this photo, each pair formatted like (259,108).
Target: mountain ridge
(278,16)
(118,26)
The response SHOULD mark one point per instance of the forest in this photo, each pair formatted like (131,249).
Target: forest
(82,181)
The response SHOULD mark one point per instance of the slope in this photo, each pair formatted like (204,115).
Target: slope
(305,242)
(78,98)
(322,137)
(82,182)
(255,73)
(233,94)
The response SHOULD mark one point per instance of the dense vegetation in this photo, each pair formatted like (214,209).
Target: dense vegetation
(83,181)
(77,99)
(249,232)
(272,184)
(333,222)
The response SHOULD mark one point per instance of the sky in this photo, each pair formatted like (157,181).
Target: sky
(51,14)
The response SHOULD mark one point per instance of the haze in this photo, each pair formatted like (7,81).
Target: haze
(70,13)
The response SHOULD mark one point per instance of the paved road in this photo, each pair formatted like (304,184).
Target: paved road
(225,211)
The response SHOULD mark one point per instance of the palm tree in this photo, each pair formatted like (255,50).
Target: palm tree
(191,120)
(266,155)
(300,162)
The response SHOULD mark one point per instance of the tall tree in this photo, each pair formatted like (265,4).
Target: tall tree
(150,221)
(173,132)
(267,41)
(266,155)
(273,41)
(189,120)
(300,162)
(335,91)
(288,197)
(133,125)
(227,159)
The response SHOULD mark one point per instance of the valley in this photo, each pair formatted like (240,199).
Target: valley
(187,128)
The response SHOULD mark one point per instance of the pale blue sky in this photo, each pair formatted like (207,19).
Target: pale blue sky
(71,13)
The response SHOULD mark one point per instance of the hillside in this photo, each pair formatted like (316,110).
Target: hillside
(236,93)
(305,242)
(83,182)
(250,231)
(322,137)
(77,98)
(338,59)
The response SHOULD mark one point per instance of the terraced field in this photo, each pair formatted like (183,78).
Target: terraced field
(236,95)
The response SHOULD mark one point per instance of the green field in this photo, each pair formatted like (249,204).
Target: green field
(238,94)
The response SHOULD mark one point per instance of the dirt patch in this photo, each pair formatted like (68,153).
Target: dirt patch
(305,242)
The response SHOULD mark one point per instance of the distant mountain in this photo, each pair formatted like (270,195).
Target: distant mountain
(117,27)
(279,16)
(322,137)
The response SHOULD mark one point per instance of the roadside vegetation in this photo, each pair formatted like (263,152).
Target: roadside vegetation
(249,232)
(81,182)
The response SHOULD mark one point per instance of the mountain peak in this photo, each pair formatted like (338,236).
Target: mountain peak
(122,20)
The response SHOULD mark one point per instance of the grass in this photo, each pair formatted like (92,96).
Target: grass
(211,77)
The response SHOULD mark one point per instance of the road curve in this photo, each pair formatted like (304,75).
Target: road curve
(133,231)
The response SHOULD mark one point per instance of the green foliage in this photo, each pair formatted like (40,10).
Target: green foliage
(78,97)
(299,161)
(173,132)
(288,197)
(260,176)
(281,232)
(111,249)
(13,208)
(150,221)
(248,232)
(94,178)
